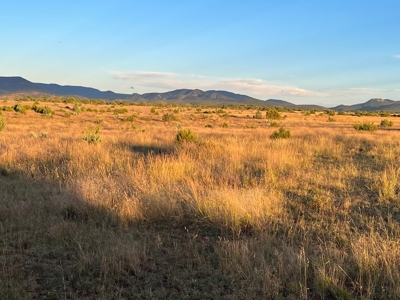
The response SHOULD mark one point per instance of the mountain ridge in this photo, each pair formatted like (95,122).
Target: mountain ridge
(17,84)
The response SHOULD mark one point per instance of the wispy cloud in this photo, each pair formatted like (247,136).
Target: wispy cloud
(250,86)
(364,93)
(396,56)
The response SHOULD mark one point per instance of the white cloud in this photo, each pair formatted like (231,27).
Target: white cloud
(251,86)
(397,56)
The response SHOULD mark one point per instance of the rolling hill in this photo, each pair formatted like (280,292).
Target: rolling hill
(19,85)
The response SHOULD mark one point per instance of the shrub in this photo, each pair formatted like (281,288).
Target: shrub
(92,135)
(47,111)
(274,124)
(186,136)
(272,113)
(330,112)
(282,133)
(169,118)
(7,108)
(2,123)
(366,127)
(118,111)
(330,119)
(258,115)
(131,118)
(386,123)
(224,125)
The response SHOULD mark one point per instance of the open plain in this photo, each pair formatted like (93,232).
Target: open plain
(100,201)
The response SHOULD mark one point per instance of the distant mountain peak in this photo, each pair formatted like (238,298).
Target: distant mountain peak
(17,84)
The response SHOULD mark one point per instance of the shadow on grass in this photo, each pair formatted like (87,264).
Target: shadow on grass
(55,245)
(151,150)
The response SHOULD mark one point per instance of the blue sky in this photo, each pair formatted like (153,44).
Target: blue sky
(323,52)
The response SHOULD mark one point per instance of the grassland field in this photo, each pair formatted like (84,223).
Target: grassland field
(101,202)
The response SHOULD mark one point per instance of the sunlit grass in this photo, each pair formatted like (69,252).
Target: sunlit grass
(235,214)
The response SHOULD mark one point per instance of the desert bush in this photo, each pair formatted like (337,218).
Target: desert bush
(330,112)
(282,133)
(258,115)
(7,108)
(20,108)
(131,118)
(365,127)
(92,135)
(330,119)
(384,113)
(169,117)
(2,123)
(118,111)
(186,136)
(47,111)
(386,123)
(208,126)
(224,125)
(77,108)
(272,113)
(274,124)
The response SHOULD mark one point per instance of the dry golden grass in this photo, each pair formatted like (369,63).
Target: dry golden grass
(236,215)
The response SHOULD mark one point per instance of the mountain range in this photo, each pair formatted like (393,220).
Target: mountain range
(19,85)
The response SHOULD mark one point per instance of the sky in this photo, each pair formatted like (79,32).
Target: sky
(306,52)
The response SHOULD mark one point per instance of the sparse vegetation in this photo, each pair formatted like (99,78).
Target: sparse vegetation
(386,123)
(92,135)
(235,215)
(272,113)
(186,136)
(46,110)
(131,118)
(170,117)
(119,111)
(2,123)
(330,119)
(365,127)
(282,133)
(274,124)
(258,115)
